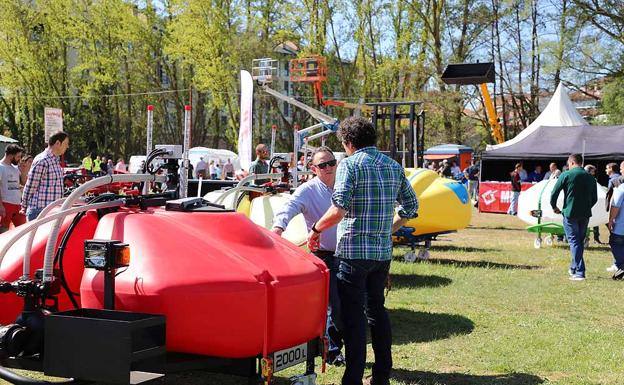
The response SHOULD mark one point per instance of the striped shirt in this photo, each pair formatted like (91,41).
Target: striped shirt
(368,186)
(45,181)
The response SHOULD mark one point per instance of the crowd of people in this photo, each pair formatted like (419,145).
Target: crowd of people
(213,169)
(578,183)
(96,165)
(350,219)
(450,169)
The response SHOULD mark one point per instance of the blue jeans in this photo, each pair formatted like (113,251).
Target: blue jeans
(473,189)
(33,213)
(616,242)
(334,321)
(361,286)
(513,206)
(576,230)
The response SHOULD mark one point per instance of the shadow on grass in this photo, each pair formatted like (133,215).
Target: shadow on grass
(432,378)
(482,264)
(465,249)
(410,326)
(415,281)
(496,228)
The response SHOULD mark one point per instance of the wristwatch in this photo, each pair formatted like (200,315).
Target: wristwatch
(314,228)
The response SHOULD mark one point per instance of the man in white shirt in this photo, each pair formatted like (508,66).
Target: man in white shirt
(312,199)
(10,192)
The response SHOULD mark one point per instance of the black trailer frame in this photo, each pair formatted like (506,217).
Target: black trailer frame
(395,111)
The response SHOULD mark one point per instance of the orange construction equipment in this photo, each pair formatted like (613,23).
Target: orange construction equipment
(313,69)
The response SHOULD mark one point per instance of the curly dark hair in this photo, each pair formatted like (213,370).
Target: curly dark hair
(360,132)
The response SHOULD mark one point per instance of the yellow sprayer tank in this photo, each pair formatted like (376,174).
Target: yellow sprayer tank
(443,204)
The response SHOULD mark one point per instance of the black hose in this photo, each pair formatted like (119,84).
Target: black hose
(17,379)
(150,157)
(60,251)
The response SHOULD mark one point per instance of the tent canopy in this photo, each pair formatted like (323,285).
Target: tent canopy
(447,149)
(6,139)
(547,142)
(559,112)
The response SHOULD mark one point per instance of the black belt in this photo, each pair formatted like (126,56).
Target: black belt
(324,253)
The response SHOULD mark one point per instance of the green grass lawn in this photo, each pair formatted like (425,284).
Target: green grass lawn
(488,308)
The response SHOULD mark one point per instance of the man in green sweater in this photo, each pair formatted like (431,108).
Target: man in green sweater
(580,195)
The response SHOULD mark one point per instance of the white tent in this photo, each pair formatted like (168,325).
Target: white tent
(559,112)
(4,142)
(216,154)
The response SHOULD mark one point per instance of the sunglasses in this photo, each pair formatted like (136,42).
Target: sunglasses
(330,163)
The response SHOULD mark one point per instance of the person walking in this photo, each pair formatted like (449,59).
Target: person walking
(368,185)
(616,226)
(87,163)
(218,170)
(516,188)
(613,172)
(472,174)
(211,170)
(580,195)
(312,199)
(200,168)
(45,178)
(97,166)
(591,170)
(10,192)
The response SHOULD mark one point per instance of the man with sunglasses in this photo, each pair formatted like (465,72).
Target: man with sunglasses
(368,186)
(312,199)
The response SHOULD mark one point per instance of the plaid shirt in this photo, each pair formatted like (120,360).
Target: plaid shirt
(45,181)
(368,184)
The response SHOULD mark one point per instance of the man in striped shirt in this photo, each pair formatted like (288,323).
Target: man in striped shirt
(368,186)
(45,178)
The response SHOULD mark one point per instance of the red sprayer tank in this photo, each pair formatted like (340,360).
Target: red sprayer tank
(227,287)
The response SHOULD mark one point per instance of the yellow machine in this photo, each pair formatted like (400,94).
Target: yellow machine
(443,206)
(477,74)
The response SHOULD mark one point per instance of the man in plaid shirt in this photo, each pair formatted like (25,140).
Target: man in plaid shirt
(45,178)
(368,186)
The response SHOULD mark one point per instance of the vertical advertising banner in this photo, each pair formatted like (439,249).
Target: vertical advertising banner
(52,121)
(246,111)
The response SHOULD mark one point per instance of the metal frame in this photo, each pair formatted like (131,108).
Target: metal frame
(416,127)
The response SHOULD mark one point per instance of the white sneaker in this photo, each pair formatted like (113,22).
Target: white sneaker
(577,278)
(612,269)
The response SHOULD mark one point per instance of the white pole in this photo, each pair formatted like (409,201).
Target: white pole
(273,135)
(149,146)
(295,174)
(150,128)
(185,154)
(199,186)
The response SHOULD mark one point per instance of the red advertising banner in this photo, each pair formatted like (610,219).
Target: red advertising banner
(495,197)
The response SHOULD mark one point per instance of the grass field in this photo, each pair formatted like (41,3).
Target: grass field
(489,309)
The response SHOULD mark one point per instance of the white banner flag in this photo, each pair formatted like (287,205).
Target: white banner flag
(52,122)
(244,135)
